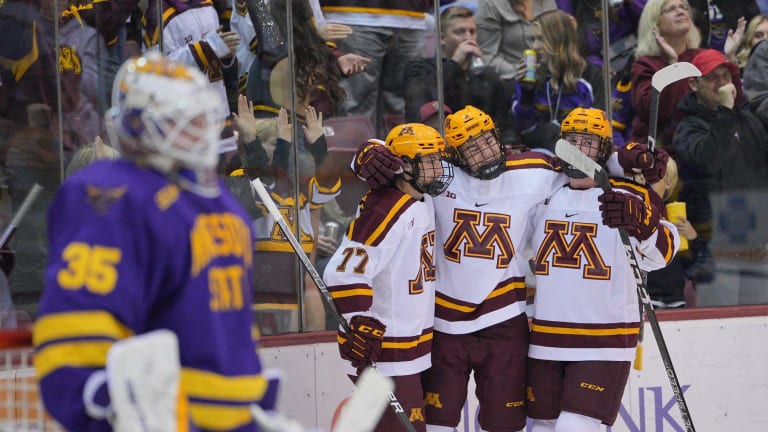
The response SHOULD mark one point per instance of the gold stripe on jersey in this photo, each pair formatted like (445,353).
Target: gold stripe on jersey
(375,11)
(219,417)
(19,67)
(68,325)
(426,337)
(409,344)
(352,292)
(273,246)
(201,384)
(670,241)
(275,306)
(528,161)
(265,108)
(78,354)
(501,290)
(584,331)
(394,212)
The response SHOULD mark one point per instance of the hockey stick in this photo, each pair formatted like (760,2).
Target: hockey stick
(661,79)
(578,160)
(16,220)
(266,199)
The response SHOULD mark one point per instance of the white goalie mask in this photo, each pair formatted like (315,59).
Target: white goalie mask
(165,112)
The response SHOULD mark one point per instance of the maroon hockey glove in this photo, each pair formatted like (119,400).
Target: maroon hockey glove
(636,158)
(659,169)
(621,210)
(375,164)
(363,346)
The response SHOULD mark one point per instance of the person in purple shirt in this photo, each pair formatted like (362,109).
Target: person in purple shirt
(147,242)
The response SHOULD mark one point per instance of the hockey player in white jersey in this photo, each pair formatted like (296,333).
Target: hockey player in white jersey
(586,319)
(480,321)
(382,276)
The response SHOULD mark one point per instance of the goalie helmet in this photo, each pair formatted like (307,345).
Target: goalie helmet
(423,151)
(588,122)
(473,141)
(165,113)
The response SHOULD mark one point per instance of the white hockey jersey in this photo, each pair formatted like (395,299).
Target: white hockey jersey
(586,294)
(190,38)
(480,224)
(384,268)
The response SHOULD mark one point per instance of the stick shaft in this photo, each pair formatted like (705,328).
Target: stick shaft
(653,119)
(16,220)
(645,299)
(583,163)
(266,199)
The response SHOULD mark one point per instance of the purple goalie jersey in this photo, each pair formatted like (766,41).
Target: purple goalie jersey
(131,252)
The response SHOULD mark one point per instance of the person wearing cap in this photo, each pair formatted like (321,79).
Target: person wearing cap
(465,80)
(720,145)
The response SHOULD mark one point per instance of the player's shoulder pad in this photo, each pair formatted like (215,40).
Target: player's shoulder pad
(531,159)
(380,209)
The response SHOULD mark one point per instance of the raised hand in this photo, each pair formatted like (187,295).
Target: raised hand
(626,211)
(375,164)
(351,64)
(284,127)
(313,130)
(332,32)
(246,122)
(635,158)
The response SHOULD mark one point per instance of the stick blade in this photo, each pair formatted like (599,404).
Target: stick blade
(579,161)
(673,73)
(364,409)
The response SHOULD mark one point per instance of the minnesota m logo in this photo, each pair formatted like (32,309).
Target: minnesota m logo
(569,255)
(492,242)
(427,270)
(433,399)
(416,415)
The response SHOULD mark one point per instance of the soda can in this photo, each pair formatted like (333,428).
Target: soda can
(331,229)
(529,56)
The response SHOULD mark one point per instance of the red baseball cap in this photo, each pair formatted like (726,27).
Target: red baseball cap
(710,59)
(430,108)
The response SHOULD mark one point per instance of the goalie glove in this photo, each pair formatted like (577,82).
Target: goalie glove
(636,158)
(620,210)
(375,164)
(363,346)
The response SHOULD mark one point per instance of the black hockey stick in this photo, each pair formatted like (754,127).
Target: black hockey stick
(578,160)
(266,199)
(661,79)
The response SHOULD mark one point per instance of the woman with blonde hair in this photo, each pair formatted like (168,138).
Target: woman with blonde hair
(757,31)
(666,35)
(565,80)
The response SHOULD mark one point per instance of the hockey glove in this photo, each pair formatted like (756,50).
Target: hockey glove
(375,164)
(254,158)
(363,346)
(636,158)
(621,210)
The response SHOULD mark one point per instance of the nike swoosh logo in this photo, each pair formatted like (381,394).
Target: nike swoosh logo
(480,205)
(571,215)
